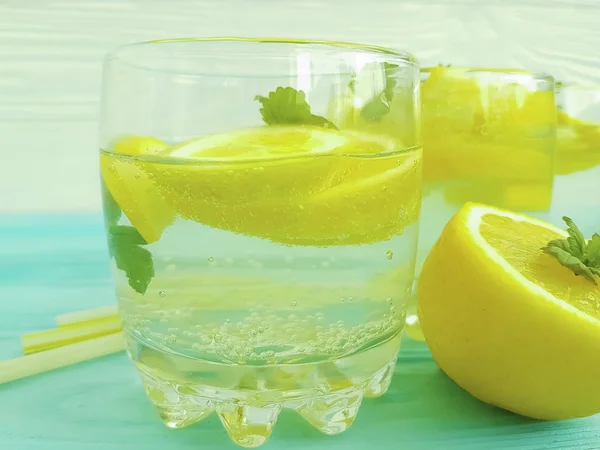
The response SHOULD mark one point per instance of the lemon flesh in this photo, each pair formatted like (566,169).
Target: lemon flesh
(132,189)
(293,184)
(506,321)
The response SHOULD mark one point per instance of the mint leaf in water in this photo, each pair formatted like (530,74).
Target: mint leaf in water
(380,105)
(112,211)
(288,106)
(125,246)
(580,256)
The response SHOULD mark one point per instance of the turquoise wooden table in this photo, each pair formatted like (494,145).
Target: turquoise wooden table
(58,263)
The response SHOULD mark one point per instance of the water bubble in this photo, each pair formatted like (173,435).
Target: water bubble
(389,254)
(389,300)
(137,175)
(211,259)
(162,294)
(294,303)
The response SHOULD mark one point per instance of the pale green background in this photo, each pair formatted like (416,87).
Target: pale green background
(51,50)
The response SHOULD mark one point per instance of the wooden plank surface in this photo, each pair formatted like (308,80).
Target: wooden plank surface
(51,50)
(51,264)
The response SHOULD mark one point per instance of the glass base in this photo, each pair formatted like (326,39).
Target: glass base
(248,398)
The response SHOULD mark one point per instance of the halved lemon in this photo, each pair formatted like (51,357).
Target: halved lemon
(132,189)
(506,321)
(293,184)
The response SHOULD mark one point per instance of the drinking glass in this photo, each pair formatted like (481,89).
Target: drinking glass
(577,181)
(489,137)
(261,200)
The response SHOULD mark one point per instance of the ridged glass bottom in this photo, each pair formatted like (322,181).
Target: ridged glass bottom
(249,398)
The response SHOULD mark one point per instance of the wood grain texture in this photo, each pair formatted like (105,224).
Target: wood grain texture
(51,264)
(51,51)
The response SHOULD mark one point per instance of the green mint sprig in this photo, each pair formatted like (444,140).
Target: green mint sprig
(580,256)
(286,106)
(380,104)
(125,245)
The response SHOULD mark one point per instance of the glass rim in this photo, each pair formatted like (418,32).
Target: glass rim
(125,54)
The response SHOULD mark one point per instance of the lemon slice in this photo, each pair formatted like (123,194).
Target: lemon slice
(256,143)
(506,321)
(293,184)
(359,211)
(132,189)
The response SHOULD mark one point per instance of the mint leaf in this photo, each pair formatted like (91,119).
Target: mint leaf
(112,211)
(571,262)
(287,106)
(575,239)
(592,251)
(575,253)
(125,246)
(380,105)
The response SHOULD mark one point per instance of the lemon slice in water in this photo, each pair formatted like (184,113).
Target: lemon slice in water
(132,189)
(293,184)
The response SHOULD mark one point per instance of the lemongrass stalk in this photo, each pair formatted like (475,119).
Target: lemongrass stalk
(86,315)
(60,357)
(69,334)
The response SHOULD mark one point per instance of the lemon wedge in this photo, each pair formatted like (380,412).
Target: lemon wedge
(132,189)
(506,321)
(293,184)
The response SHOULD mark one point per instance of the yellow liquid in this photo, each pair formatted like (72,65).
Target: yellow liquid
(287,299)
